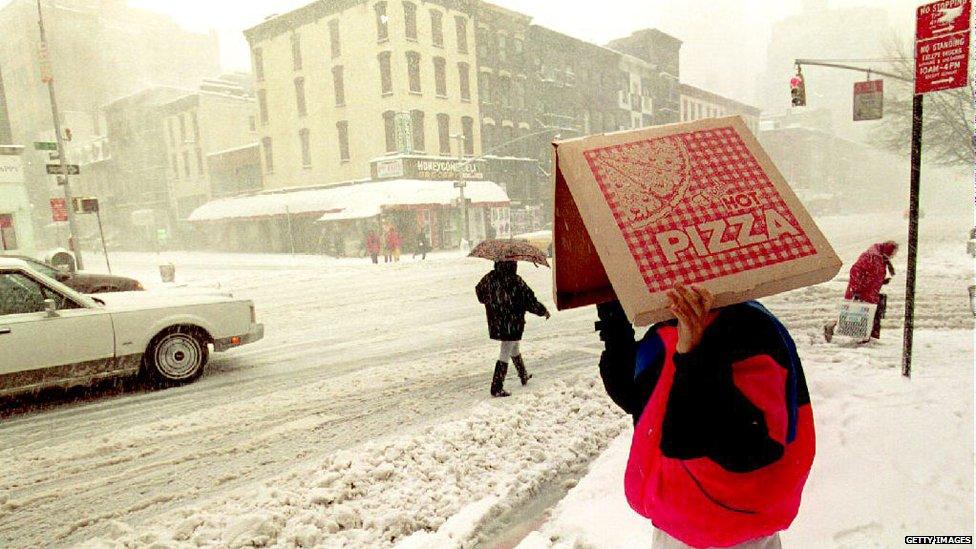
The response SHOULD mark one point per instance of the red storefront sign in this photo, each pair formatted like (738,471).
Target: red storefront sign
(59,211)
(942,45)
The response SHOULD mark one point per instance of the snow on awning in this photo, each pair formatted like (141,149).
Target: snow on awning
(355,201)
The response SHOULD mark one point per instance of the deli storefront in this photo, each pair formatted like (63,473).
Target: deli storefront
(412,194)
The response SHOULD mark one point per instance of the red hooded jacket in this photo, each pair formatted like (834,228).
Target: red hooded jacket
(869,272)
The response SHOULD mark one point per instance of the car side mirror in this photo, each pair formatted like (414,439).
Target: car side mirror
(50,307)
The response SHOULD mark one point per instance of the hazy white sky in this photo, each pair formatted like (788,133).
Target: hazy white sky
(724,40)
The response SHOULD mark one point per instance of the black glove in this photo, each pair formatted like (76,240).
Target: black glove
(887,280)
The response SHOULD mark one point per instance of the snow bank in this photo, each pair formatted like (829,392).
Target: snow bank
(434,489)
(894,456)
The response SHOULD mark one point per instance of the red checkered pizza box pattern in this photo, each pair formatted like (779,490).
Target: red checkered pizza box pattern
(699,168)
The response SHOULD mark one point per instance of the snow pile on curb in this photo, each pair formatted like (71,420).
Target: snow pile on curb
(436,488)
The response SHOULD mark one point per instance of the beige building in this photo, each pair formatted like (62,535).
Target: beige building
(197,125)
(697,103)
(340,83)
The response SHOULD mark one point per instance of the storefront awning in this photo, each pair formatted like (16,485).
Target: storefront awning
(357,201)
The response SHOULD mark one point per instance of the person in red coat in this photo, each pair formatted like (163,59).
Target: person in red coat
(723,427)
(373,245)
(392,244)
(870,272)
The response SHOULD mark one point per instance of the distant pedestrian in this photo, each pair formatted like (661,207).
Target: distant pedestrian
(872,270)
(423,245)
(392,244)
(507,298)
(373,245)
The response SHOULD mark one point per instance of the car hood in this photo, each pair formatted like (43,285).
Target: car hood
(162,298)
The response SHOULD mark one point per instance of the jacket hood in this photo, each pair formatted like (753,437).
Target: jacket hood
(886,249)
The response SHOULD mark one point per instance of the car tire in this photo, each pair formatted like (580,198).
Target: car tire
(176,356)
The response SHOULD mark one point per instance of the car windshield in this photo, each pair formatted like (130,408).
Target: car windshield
(42,268)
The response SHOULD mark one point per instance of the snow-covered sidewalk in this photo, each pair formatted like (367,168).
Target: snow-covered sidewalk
(894,456)
(433,489)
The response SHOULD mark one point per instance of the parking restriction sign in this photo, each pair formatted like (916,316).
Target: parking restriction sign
(942,45)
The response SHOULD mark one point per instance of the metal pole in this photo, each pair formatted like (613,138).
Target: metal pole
(906,359)
(72,224)
(98,215)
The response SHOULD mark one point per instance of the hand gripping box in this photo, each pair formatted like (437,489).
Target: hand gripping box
(697,203)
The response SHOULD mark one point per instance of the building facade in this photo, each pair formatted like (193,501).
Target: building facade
(16,228)
(697,103)
(331,74)
(123,49)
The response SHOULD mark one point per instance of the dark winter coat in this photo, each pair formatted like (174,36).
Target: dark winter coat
(422,244)
(869,272)
(724,436)
(507,298)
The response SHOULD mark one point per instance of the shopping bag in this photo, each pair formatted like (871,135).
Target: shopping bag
(856,319)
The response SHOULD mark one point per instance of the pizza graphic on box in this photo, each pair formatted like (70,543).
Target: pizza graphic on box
(696,206)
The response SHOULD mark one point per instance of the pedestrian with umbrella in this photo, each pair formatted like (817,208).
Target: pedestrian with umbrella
(507,298)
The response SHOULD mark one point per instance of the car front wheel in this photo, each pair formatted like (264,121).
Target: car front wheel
(176,356)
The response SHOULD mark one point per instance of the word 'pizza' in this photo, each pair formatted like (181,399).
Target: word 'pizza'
(672,242)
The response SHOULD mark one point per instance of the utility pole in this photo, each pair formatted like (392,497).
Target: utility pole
(49,78)
(461,184)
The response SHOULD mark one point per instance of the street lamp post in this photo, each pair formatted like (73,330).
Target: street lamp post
(460,184)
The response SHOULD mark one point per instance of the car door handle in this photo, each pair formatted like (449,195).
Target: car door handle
(4,330)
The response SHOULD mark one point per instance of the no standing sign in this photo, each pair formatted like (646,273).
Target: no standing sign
(942,45)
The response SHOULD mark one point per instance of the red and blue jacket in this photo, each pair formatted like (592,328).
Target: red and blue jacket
(723,435)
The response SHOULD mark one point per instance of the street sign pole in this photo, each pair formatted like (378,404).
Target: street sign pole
(73,241)
(98,216)
(906,360)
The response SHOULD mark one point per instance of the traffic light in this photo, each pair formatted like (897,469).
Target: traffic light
(798,91)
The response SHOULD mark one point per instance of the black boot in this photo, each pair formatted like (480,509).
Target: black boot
(498,378)
(520,368)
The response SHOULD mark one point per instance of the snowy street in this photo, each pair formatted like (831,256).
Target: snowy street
(363,416)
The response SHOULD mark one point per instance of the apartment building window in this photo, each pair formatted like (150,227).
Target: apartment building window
(440,76)
(417,126)
(502,48)
(169,131)
(413,71)
(484,88)
(257,57)
(386,74)
(303,139)
(697,111)
(263,106)
(518,48)
(200,161)
(520,94)
(382,22)
(410,20)
(182,128)
(444,133)
(296,51)
(334,38)
(337,84)
(300,96)
(464,81)
(488,139)
(342,128)
(175,165)
(268,155)
(505,91)
(461,25)
(437,28)
(467,129)
(483,43)
(389,126)
(252,123)
(186,164)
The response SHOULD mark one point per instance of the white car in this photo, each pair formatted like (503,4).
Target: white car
(51,335)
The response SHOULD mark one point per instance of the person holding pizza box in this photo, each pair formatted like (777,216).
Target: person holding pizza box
(724,435)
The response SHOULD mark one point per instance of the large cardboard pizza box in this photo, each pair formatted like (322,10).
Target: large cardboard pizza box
(700,203)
